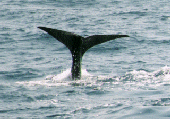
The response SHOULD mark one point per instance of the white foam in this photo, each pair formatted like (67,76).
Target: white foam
(149,79)
(66,75)
(155,78)
(62,79)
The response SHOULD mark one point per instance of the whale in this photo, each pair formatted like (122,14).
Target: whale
(78,45)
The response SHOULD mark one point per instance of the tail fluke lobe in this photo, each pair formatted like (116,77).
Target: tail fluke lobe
(91,41)
(67,38)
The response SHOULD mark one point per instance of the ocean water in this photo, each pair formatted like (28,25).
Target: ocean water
(125,78)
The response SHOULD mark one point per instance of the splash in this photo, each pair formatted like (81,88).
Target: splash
(147,80)
(136,78)
(62,79)
(66,75)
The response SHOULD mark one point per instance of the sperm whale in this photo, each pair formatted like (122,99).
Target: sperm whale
(78,45)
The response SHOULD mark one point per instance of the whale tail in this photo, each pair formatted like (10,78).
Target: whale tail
(78,45)
(70,40)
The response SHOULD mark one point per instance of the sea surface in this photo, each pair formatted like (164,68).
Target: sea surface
(126,78)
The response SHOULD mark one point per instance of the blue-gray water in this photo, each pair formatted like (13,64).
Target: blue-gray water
(123,78)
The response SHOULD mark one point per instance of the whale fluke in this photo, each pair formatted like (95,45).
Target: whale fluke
(91,41)
(78,45)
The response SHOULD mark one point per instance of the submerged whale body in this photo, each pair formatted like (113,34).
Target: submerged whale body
(78,45)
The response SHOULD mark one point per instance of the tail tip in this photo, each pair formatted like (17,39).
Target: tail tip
(40,27)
